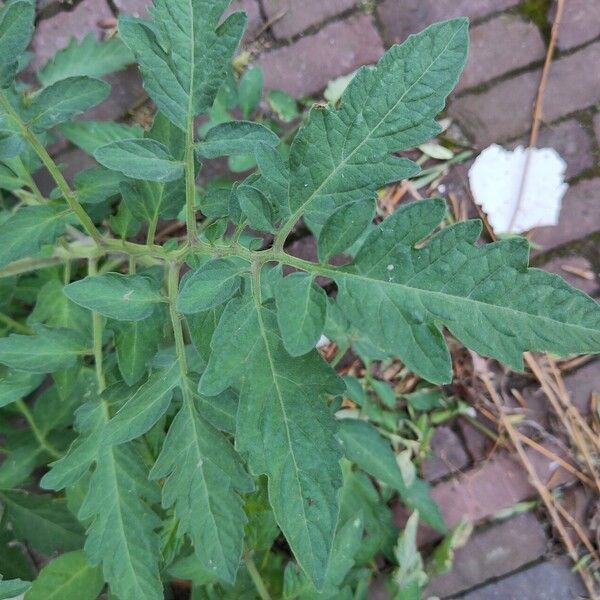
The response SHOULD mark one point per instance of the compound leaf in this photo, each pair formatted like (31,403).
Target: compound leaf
(203,478)
(345,154)
(400,295)
(62,100)
(301,311)
(184,53)
(144,159)
(121,297)
(89,57)
(279,395)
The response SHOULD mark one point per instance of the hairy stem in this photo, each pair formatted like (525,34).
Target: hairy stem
(259,584)
(152,230)
(54,171)
(190,185)
(176,318)
(39,435)
(14,325)
(97,335)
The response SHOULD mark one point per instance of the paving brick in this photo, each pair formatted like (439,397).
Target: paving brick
(597,126)
(550,580)
(582,384)
(482,492)
(403,17)
(296,16)
(499,46)
(477,443)
(564,266)
(492,552)
(579,503)
(580,23)
(139,8)
(54,33)
(570,139)
(579,216)
(307,66)
(448,455)
(505,111)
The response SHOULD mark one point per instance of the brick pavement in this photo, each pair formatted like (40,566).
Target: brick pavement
(304,44)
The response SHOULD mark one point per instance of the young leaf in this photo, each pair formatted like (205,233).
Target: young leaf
(13,588)
(278,395)
(16,30)
(144,407)
(28,230)
(97,184)
(47,351)
(64,99)
(344,227)
(136,343)
(44,522)
(184,53)
(67,577)
(236,137)
(121,297)
(203,478)
(250,91)
(140,159)
(15,385)
(365,447)
(89,57)
(283,105)
(210,285)
(301,310)
(91,135)
(485,295)
(257,207)
(346,154)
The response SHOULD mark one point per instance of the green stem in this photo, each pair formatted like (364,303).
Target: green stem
(259,584)
(54,171)
(176,318)
(15,325)
(97,334)
(39,436)
(152,230)
(190,185)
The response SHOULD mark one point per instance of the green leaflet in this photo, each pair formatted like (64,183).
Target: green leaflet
(63,100)
(210,285)
(250,91)
(399,296)
(16,30)
(13,588)
(278,396)
(47,351)
(301,310)
(90,135)
(97,184)
(203,478)
(121,297)
(144,407)
(28,230)
(67,577)
(344,227)
(365,447)
(183,53)
(15,385)
(256,207)
(140,159)
(236,137)
(44,522)
(346,154)
(89,57)
(136,343)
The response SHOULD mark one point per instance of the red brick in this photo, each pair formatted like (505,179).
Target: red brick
(403,17)
(306,67)
(296,16)
(482,492)
(478,444)
(448,455)
(597,126)
(55,33)
(580,23)
(499,46)
(562,265)
(505,111)
(139,8)
(492,552)
(579,217)
(551,580)
(582,384)
(570,139)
